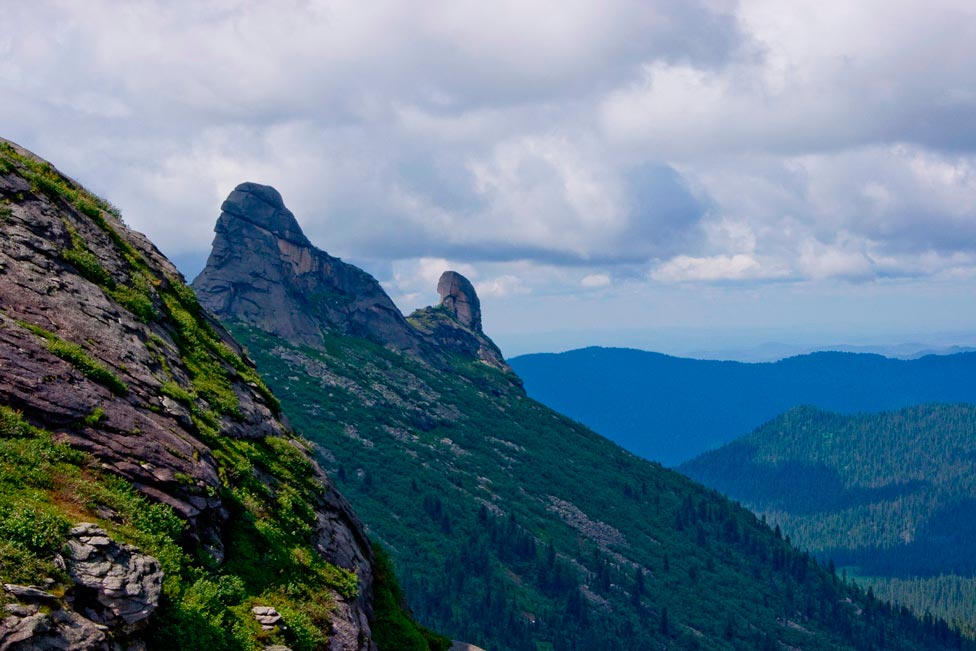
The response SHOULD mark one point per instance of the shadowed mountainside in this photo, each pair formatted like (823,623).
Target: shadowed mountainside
(889,494)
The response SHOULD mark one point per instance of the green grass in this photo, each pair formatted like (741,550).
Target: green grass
(44,178)
(45,487)
(81,360)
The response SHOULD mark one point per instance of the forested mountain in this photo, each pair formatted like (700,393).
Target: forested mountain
(511,525)
(890,494)
(150,495)
(670,409)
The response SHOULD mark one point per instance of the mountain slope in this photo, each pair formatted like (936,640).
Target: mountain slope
(891,494)
(671,409)
(150,497)
(517,528)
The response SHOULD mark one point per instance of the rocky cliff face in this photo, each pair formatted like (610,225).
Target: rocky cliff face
(264,272)
(124,406)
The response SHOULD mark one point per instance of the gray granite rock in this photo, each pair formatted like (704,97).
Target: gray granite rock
(459,298)
(61,630)
(122,584)
(263,271)
(454,326)
(141,435)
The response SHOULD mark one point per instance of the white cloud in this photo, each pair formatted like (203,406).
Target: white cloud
(592,281)
(685,268)
(502,286)
(541,148)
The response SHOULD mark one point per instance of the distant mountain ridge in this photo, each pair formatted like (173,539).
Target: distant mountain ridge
(670,409)
(774,351)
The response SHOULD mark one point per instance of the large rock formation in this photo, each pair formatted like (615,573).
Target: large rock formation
(116,589)
(116,585)
(104,347)
(263,271)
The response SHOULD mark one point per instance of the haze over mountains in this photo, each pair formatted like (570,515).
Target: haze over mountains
(671,409)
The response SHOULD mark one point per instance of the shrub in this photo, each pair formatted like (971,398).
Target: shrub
(77,357)
(13,425)
(40,531)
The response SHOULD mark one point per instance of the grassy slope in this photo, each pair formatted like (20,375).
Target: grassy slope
(266,483)
(893,495)
(516,528)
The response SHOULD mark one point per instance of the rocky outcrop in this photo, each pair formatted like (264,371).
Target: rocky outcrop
(28,628)
(116,585)
(460,300)
(263,271)
(454,326)
(103,345)
(115,590)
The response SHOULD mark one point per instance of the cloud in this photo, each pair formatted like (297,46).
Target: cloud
(592,281)
(684,268)
(817,77)
(542,148)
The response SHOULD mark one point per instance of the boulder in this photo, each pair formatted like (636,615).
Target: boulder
(116,584)
(59,630)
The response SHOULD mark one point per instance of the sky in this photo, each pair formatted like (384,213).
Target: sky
(677,175)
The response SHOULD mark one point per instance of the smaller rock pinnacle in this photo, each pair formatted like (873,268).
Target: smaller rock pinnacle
(460,299)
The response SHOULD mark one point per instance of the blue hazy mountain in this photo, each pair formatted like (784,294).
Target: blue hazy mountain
(670,409)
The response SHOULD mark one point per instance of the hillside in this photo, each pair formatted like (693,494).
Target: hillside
(893,495)
(513,526)
(670,409)
(150,495)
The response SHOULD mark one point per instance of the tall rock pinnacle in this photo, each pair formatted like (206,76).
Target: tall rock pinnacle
(264,272)
(460,299)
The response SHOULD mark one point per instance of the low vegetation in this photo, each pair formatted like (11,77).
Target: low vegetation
(46,486)
(75,355)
